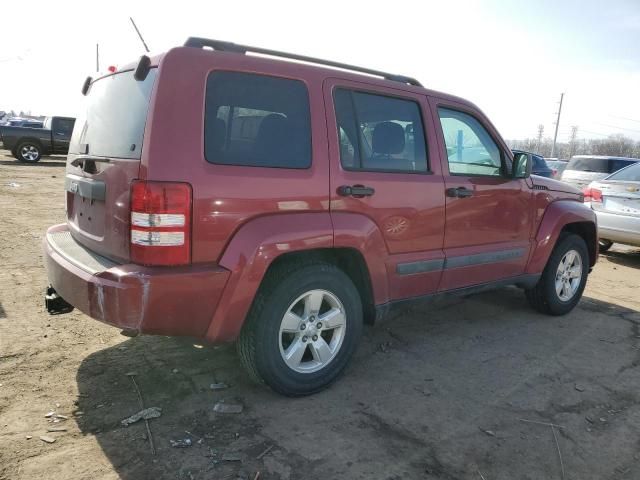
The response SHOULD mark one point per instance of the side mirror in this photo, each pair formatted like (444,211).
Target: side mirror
(521,165)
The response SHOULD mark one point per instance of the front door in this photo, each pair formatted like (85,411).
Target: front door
(385,173)
(488,213)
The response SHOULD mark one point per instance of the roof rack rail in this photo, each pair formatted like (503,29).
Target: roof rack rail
(223,46)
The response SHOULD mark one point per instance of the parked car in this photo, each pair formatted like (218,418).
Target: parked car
(584,169)
(558,166)
(28,144)
(616,201)
(294,202)
(539,166)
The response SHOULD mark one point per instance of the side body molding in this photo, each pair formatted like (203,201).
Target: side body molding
(248,256)
(557,215)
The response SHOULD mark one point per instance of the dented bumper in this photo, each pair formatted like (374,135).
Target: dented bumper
(154,300)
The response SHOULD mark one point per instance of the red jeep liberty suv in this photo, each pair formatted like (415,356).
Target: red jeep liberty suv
(228,196)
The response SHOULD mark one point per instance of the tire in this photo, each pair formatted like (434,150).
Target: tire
(263,345)
(544,297)
(604,245)
(29,152)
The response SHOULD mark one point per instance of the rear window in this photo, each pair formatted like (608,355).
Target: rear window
(631,174)
(597,165)
(111,121)
(257,120)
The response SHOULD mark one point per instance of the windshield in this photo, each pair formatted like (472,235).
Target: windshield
(599,165)
(630,174)
(111,121)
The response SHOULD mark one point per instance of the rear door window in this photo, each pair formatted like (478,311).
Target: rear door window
(257,120)
(112,120)
(379,133)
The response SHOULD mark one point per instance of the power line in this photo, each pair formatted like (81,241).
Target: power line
(624,118)
(616,127)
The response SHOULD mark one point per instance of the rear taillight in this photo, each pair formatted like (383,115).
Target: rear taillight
(592,195)
(160,223)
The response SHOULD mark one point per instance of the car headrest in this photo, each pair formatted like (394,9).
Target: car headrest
(272,136)
(217,134)
(388,138)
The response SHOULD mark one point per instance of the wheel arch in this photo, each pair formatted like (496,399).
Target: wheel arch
(35,140)
(563,216)
(347,259)
(267,241)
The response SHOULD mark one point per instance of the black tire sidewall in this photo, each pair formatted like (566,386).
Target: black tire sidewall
(570,242)
(25,144)
(269,362)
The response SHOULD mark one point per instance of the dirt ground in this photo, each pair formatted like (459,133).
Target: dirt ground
(443,391)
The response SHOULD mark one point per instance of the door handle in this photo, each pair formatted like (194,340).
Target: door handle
(355,191)
(460,192)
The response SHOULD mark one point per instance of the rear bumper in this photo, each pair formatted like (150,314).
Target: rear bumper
(153,300)
(619,228)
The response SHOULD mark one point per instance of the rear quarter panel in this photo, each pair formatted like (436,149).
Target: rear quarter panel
(225,197)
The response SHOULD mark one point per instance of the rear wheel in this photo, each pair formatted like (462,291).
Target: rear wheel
(29,152)
(604,245)
(303,327)
(563,280)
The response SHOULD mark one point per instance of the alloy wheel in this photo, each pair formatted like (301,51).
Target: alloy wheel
(312,331)
(568,275)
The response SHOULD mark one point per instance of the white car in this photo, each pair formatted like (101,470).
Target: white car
(616,201)
(584,169)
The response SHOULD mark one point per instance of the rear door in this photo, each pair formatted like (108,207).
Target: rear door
(384,167)
(104,157)
(488,213)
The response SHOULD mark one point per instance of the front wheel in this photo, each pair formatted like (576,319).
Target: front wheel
(303,327)
(29,152)
(564,277)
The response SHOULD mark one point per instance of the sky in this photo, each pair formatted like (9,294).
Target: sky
(511,58)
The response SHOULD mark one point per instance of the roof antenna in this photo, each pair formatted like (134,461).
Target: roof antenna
(139,34)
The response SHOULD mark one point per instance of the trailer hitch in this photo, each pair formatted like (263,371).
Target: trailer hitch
(55,303)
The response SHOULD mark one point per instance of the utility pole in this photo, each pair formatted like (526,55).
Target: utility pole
(139,34)
(540,134)
(97,57)
(555,135)
(572,140)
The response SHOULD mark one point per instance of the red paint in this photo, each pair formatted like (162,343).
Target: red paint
(243,218)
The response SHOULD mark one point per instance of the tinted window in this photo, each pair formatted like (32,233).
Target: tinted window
(379,133)
(256,120)
(112,120)
(470,148)
(539,163)
(631,174)
(598,165)
(63,125)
